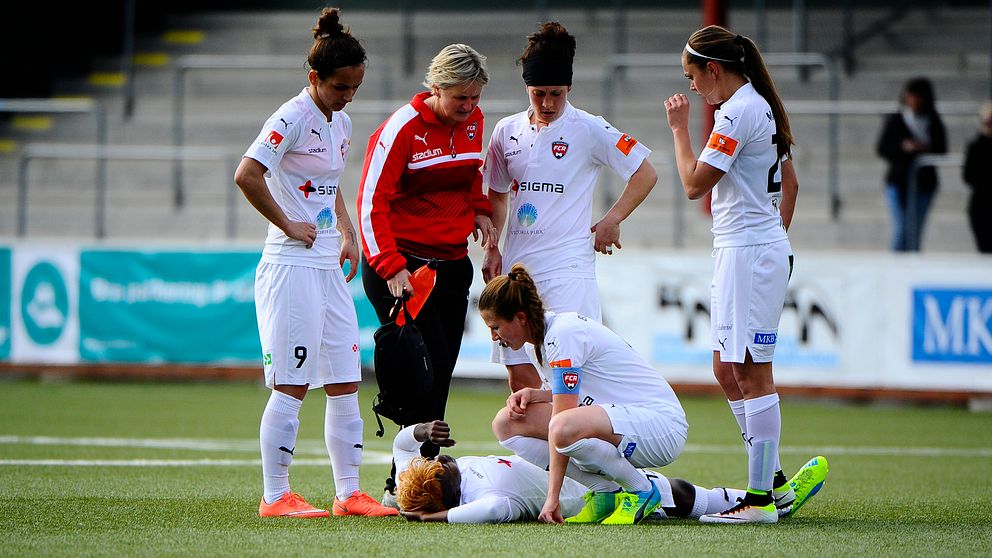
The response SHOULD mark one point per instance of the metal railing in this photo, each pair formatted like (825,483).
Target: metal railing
(798,59)
(184,65)
(910,228)
(103,153)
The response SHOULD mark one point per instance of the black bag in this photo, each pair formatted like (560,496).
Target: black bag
(402,370)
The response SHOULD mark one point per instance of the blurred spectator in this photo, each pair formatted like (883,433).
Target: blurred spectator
(978,176)
(916,129)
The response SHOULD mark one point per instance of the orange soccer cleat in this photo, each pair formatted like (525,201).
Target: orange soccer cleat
(360,503)
(290,504)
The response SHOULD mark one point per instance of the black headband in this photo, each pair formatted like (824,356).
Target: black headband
(547,70)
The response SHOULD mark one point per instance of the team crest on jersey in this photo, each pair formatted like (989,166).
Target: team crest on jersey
(559,149)
(570,380)
(471,129)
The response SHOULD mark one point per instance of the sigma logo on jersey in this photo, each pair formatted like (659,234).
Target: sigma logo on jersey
(527,215)
(625,144)
(765,338)
(425,154)
(722,143)
(553,188)
(273,140)
(323,189)
(471,129)
(559,149)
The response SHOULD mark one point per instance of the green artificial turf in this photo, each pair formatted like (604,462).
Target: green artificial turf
(906,481)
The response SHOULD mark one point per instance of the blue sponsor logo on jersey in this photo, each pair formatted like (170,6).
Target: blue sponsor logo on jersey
(527,215)
(324,219)
(629,450)
(765,338)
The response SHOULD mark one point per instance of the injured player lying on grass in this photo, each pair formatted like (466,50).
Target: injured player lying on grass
(498,489)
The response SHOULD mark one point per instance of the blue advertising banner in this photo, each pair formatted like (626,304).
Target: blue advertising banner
(183,307)
(952,325)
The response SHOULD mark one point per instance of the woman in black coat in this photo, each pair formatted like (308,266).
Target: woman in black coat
(916,129)
(978,177)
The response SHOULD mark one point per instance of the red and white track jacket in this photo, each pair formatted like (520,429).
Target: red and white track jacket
(421,187)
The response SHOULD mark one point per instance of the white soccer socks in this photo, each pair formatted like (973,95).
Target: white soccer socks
(343,437)
(277,439)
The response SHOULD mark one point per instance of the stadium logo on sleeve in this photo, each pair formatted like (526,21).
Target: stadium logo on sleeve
(273,139)
(471,129)
(625,144)
(722,143)
(559,149)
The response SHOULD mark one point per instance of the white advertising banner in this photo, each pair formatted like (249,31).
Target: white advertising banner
(850,319)
(44,294)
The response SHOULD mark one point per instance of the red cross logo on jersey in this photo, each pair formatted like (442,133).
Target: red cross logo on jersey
(570,379)
(307,189)
(504,462)
(354,348)
(559,149)
(514,187)
(471,129)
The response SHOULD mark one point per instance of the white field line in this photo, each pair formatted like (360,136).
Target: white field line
(378,456)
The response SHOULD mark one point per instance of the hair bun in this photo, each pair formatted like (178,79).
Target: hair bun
(329,25)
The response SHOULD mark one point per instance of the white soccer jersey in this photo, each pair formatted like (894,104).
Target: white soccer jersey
(305,156)
(746,200)
(495,489)
(551,174)
(592,361)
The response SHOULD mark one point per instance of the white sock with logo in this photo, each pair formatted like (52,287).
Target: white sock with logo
(714,500)
(537,452)
(592,454)
(343,437)
(764,428)
(277,439)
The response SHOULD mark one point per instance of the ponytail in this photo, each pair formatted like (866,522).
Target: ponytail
(514,292)
(739,54)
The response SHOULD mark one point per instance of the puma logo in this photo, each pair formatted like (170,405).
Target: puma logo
(421,138)
(746,439)
(316,133)
(284,123)
(289,451)
(731,120)
(515,140)
(722,343)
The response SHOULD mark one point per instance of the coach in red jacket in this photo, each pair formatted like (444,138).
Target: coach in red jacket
(421,197)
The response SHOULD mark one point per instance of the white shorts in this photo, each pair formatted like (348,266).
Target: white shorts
(746,299)
(307,326)
(653,435)
(559,294)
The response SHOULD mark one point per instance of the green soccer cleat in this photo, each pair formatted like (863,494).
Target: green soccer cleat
(808,481)
(599,506)
(633,507)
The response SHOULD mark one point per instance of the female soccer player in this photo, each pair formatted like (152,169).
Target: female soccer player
(306,318)
(541,166)
(610,411)
(498,489)
(746,163)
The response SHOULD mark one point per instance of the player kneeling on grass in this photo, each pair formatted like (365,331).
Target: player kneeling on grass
(496,489)
(610,414)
